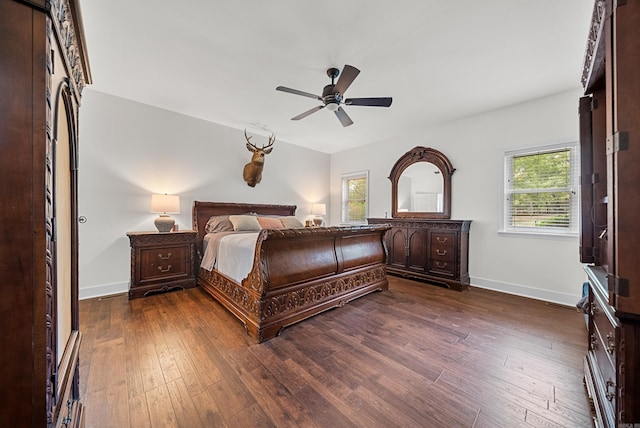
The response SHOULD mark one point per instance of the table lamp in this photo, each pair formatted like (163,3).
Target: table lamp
(318,210)
(165,205)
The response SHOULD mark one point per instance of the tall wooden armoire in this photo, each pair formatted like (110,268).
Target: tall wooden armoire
(43,69)
(610,235)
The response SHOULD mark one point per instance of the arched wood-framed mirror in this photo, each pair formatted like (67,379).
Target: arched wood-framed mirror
(421,185)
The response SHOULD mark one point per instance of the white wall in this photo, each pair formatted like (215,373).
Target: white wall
(129,151)
(539,267)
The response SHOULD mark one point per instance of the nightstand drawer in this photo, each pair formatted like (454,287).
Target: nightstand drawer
(162,263)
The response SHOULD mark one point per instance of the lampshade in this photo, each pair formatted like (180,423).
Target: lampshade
(319,209)
(165,204)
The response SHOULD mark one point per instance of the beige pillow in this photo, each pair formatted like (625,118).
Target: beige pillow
(244,223)
(291,222)
(219,223)
(270,222)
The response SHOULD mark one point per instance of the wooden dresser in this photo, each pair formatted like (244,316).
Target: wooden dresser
(435,251)
(161,262)
(42,74)
(610,196)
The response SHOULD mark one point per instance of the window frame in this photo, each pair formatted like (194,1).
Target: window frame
(573,230)
(344,195)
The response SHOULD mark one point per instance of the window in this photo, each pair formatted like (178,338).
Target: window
(355,191)
(541,190)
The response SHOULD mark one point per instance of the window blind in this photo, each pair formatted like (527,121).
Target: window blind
(541,190)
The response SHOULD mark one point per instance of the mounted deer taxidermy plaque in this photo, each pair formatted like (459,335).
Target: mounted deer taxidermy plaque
(252,173)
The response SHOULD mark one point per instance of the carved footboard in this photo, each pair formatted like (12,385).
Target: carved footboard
(298,273)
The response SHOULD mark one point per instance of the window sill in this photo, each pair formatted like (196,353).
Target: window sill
(538,234)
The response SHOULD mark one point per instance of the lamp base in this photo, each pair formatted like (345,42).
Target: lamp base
(164,223)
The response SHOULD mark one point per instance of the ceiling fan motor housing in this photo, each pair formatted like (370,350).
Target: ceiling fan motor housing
(329,97)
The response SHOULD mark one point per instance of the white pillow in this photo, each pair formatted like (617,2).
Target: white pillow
(244,223)
(291,222)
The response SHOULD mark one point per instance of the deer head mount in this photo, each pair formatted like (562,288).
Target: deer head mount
(252,173)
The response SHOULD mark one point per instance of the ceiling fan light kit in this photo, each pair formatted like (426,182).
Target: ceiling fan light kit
(333,106)
(333,95)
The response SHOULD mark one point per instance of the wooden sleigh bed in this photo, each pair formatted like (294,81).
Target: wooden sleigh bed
(295,273)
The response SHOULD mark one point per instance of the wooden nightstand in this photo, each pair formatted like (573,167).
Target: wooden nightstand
(161,262)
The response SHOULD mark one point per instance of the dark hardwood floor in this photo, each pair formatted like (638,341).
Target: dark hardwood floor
(414,356)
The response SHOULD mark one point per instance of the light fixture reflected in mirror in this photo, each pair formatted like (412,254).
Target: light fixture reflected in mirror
(165,205)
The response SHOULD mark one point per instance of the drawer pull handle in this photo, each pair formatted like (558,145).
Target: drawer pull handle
(441,265)
(164,270)
(66,421)
(611,343)
(164,258)
(442,240)
(610,395)
(441,253)
(594,310)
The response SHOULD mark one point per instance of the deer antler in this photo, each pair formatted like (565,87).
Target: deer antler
(249,138)
(272,139)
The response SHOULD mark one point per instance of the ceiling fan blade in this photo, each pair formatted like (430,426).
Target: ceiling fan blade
(374,102)
(297,92)
(343,117)
(346,78)
(307,113)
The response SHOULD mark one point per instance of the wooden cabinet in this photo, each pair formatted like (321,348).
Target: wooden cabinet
(42,74)
(613,358)
(435,251)
(610,234)
(161,262)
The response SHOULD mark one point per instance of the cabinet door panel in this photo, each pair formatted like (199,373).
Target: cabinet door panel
(417,243)
(397,249)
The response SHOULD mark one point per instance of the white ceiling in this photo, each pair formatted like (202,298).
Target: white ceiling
(440,60)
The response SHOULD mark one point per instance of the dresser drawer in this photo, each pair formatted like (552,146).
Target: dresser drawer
(162,263)
(605,328)
(603,345)
(442,253)
(443,239)
(443,268)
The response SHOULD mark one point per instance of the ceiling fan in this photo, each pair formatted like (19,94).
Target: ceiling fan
(333,95)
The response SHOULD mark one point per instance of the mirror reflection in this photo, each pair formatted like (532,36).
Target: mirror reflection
(421,185)
(420,189)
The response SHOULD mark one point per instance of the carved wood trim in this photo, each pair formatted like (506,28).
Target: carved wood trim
(593,66)
(422,154)
(289,302)
(67,24)
(151,238)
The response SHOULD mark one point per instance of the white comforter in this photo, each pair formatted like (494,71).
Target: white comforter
(233,256)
